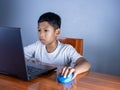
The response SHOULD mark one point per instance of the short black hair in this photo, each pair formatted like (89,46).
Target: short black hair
(52,18)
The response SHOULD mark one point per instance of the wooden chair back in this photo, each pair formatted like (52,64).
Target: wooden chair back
(75,42)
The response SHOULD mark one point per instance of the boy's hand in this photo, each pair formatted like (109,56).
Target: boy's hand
(67,71)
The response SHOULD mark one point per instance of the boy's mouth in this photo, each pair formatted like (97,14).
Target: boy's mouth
(42,40)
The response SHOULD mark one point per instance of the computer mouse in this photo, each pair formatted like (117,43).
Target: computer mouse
(61,79)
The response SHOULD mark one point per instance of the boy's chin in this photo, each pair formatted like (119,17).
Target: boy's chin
(43,43)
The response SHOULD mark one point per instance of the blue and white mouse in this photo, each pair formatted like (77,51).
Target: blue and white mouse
(61,79)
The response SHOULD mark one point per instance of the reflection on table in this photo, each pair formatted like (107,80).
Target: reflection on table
(84,81)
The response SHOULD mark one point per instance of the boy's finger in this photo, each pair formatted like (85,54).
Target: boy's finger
(74,75)
(63,70)
(72,70)
(66,72)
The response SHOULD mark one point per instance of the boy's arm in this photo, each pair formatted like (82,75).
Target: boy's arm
(81,65)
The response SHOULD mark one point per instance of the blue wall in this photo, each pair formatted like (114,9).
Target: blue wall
(96,21)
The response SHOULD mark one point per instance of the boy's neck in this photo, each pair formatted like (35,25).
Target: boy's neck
(51,47)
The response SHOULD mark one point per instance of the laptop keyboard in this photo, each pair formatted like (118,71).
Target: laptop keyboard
(32,69)
(35,71)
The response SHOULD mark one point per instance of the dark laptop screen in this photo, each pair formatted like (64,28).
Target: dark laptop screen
(11,52)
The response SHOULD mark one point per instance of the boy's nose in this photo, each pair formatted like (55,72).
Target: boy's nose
(41,34)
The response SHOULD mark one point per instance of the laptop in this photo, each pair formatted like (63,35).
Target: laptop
(12,60)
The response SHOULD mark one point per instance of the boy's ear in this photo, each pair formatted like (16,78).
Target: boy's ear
(57,32)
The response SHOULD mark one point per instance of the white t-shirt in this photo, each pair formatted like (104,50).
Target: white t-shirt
(63,55)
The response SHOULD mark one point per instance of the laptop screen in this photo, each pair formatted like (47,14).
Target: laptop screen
(11,52)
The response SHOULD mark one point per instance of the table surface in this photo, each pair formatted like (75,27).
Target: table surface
(84,81)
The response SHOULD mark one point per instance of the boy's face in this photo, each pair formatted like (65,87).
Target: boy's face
(47,34)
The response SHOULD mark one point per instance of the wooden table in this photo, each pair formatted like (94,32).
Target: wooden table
(85,81)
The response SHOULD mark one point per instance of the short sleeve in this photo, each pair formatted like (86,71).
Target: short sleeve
(73,55)
(29,51)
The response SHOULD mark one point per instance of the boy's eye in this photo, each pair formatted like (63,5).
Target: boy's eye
(46,30)
(39,30)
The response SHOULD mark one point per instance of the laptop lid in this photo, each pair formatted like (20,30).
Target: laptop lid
(12,60)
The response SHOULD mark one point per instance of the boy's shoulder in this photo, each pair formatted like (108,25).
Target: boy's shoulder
(65,45)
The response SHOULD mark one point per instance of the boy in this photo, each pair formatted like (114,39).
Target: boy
(49,50)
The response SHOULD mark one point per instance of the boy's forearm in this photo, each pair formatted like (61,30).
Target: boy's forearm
(82,65)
